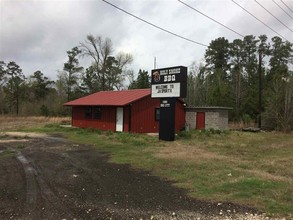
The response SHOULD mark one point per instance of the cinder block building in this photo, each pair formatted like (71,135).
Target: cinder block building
(207,117)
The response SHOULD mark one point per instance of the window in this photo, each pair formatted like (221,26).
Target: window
(88,112)
(157,114)
(97,112)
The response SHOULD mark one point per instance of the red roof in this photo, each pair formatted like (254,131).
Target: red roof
(111,98)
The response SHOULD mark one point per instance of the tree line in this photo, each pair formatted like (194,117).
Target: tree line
(38,95)
(252,75)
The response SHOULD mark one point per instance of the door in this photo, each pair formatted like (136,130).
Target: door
(200,120)
(119,119)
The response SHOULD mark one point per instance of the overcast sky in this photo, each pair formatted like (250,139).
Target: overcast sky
(37,33)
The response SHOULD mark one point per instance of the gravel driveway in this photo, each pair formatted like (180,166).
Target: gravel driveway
(46,177)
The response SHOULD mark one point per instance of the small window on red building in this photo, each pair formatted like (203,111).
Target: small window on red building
(97,112)
(157,114)
(88,112)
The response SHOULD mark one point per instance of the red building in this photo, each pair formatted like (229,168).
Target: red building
(128,111)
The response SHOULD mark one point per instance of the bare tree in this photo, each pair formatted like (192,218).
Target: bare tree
(107,69)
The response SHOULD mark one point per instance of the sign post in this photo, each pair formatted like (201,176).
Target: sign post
(168,84)
(167,119)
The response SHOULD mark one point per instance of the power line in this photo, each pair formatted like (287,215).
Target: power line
(273,15)
(287,6)
(282,9)
(149,23)
(209,18)
(259,20)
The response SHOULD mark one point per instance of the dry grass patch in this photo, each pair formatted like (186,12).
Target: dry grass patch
(181,151)
(13,141)
(267,176)
(15,134)
(20,122)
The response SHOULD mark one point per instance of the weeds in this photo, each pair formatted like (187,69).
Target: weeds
(184,135)
(6,153)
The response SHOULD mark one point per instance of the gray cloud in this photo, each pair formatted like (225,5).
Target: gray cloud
(36,34)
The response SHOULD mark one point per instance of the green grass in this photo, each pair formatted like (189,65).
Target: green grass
(254,169)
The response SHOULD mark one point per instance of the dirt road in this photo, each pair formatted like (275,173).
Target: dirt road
(45,177)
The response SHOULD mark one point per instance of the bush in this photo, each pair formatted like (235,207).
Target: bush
(44,110)
(246,118)
(184,135)
(109,133)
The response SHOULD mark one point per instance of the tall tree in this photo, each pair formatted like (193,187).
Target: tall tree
(38,89)
(217,66)
(2,79)
(250,73)
(281,56)
(196,86)
(89,81)
(72,69)
(142,81)
(40,85)
(113,74)
(217,55)
(13,88)
(263,50)
(106,69)
(237,79)
(61,85)
(2,71)
(279,90)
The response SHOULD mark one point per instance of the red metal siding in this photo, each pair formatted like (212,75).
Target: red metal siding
(143,115)
(107,121)
(126,118)
(179,116)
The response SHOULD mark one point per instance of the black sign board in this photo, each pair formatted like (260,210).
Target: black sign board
(169,82)
(167,119)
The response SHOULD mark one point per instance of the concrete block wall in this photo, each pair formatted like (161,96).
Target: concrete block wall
(223,120)
(190,119)
(212,120)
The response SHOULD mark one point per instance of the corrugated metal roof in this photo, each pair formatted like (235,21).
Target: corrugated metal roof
(111,98)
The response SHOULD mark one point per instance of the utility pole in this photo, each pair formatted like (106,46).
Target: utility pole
(259,89)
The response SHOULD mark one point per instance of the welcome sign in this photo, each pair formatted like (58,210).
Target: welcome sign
(169,82)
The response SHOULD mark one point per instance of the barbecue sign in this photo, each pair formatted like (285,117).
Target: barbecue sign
(169,82)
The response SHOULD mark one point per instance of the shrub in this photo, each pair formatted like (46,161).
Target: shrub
(184,135)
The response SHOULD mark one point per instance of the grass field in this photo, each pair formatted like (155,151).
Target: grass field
(254,169)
